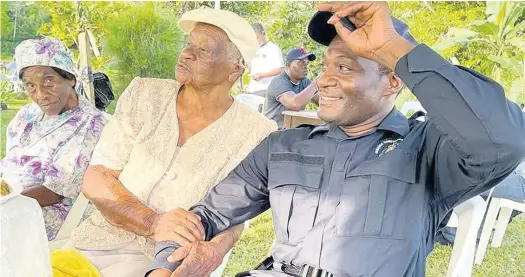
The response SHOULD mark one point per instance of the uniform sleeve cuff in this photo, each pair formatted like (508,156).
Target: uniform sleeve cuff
(163,250)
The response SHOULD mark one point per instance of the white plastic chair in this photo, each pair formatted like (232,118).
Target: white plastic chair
(107,115)
(504,207)
(412,106)
(70,223)
(467,217)
(253,101)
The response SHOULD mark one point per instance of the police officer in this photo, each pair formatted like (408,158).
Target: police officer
(365,194)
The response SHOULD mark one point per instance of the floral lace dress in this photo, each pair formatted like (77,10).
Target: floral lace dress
(53,152)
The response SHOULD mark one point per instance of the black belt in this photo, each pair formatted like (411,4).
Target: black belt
(293,270)
(301,271)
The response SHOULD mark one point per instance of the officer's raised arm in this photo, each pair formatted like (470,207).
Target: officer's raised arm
(472,139)
(473,133)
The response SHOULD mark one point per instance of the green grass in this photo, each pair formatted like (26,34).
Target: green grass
(5,117)
(13,105)
(254,245)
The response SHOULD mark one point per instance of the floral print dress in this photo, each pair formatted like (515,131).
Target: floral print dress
(53,152)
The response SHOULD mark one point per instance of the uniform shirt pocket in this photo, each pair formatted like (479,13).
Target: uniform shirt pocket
(375,198)
(293,182)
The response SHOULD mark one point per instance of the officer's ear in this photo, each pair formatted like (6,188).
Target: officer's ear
(394,84)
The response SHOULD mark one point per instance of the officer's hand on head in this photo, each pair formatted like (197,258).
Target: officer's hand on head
(179,226)
(375,34)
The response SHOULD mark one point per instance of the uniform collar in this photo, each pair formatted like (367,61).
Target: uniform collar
(394,122)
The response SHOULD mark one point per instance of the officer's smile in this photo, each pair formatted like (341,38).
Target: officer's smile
(325,98)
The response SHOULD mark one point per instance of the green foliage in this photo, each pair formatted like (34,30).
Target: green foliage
(64,23)
(7,93)
(497,42)
(20,21)
(141,39)
(144,42)
(7,24)
(67,18)
(430,21)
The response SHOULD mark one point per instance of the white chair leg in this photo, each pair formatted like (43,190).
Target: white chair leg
(469,259)
(501,226)
(470,214)
(490,219)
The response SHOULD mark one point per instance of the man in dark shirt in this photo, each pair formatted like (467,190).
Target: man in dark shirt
(291,90)
(365,194)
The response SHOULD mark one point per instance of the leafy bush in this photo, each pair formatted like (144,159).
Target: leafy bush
(142,41)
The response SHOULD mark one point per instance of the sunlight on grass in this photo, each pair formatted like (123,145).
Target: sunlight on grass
(5,118)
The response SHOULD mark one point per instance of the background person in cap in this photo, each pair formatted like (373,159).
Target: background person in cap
(291,90)
(50,141)
(365,194)
(267,63)
(168,143)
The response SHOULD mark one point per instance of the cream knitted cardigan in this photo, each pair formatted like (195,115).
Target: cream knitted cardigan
(141,140)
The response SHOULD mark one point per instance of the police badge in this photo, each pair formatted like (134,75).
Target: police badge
(386,146)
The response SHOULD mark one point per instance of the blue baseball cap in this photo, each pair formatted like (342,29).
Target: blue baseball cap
(299,54)
(323,32)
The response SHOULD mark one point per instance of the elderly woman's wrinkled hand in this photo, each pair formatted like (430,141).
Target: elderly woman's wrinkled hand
(198,259)
(179,226)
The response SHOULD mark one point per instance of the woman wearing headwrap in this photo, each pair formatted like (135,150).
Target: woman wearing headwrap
(50,141)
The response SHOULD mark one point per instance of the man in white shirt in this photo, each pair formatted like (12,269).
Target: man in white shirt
(267,63)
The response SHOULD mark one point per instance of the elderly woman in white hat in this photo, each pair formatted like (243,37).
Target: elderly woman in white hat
(50,141)
(168,144)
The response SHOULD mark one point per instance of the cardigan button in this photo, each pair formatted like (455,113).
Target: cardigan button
(170,175)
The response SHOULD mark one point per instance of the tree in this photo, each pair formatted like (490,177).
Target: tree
(499,39)
(20,21)
(429,21)
(142,41)
(65,18)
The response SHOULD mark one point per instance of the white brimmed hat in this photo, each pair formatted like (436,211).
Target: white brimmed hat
(239,31)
